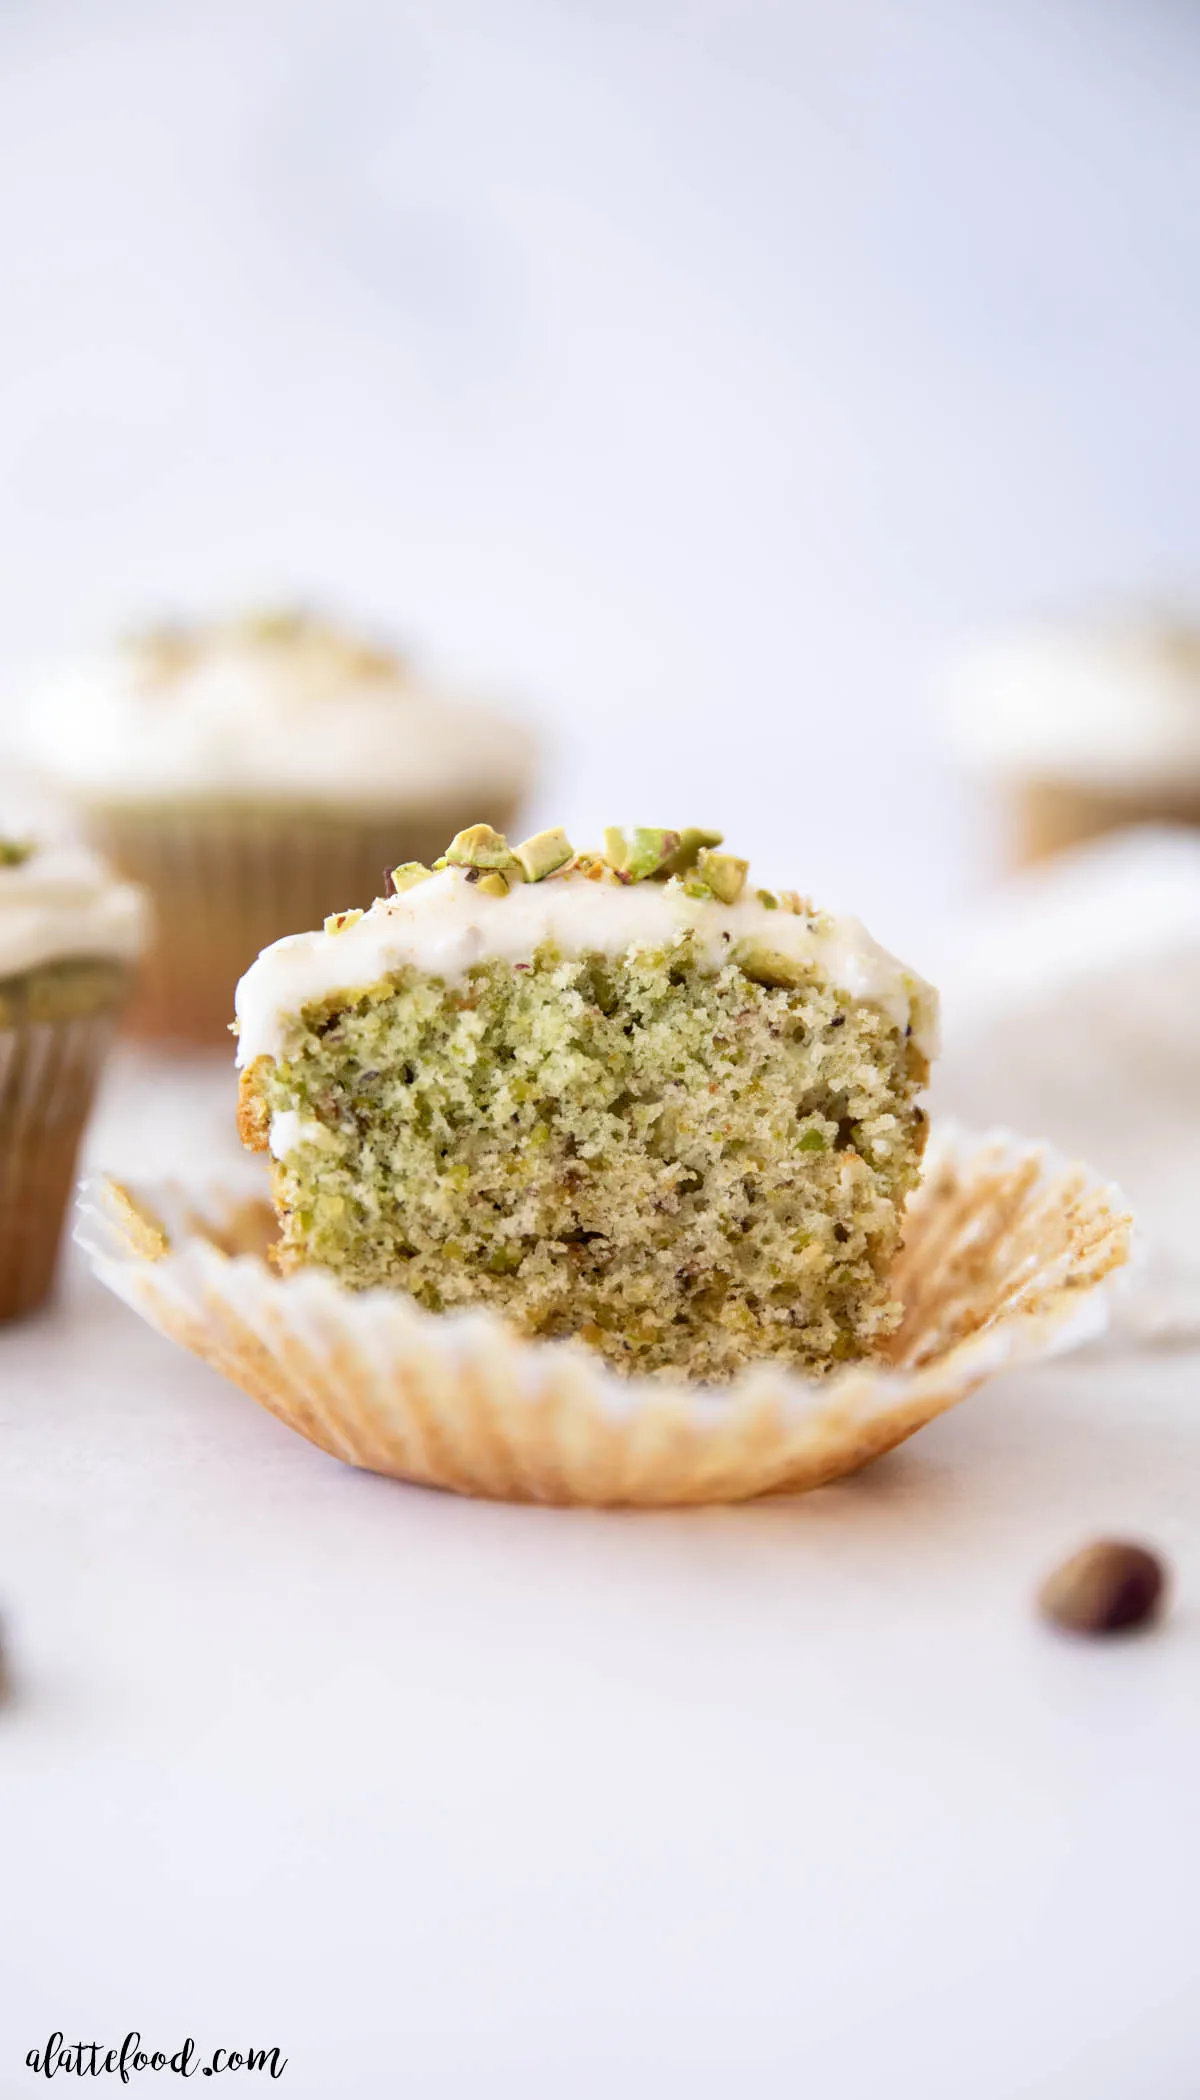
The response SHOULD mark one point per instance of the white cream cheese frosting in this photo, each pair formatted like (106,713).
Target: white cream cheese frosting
(445,925)
(281,707)
(1112,702)
(60,903)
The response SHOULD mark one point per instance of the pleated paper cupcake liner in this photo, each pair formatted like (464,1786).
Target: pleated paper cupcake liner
(229,881)
(1005,1259)
(48,1075)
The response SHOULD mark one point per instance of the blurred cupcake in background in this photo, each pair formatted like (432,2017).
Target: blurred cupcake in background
(255,774)
(1085,726)
(70,938)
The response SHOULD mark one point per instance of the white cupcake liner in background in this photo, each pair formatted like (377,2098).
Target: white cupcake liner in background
(1005,1257)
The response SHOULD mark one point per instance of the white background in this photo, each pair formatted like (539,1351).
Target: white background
(699,374)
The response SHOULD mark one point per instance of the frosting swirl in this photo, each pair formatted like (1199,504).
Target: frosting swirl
(282,706)
(59,902)
(1112,702)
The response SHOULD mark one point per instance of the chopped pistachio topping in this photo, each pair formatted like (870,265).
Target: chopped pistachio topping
(407,876)
(639,853)
(480,847)
(635,853)
(544,854)
(15,851)
(493,884)
(338,921)
(692,843)
(724,873)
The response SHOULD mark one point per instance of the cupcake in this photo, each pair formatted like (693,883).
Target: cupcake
(1084,727)
(597,1179)
(250,772)
(624,1099)
(69,939)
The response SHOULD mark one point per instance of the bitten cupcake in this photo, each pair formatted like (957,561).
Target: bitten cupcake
(623,1098)
(70,937)
(599,1178)
(248,771)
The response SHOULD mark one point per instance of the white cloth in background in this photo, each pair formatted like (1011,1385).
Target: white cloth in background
(1072,1012)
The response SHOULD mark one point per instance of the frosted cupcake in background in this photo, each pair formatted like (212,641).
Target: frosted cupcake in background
(250,771)
(1086,727)
(70,937)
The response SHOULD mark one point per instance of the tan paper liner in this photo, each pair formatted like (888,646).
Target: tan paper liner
(226,882)
(48,1075)
(1005,1252)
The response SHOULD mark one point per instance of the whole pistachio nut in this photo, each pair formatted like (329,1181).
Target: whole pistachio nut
(1110,1586)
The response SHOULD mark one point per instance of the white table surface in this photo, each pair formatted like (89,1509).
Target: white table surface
(451,1798)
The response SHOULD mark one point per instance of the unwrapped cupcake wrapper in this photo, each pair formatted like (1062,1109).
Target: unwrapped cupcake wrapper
(229,881)
(48,1075)
(1005,1254)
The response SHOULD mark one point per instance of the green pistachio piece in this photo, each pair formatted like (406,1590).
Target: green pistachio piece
(724,873)
(698,889)
(480,847)
(692,843)
(14,851)
(493,884)
(408,875)
(764,965)
(544,854)
(338,921)
(813,1140)
(637,854)
(767,899)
